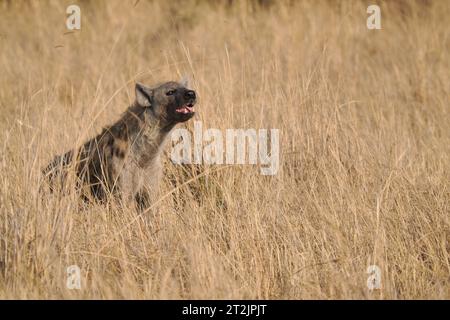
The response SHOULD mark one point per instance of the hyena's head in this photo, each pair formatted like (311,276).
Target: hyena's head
(170,102)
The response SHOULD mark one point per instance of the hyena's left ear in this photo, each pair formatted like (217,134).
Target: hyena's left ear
(185,81)
(143,95)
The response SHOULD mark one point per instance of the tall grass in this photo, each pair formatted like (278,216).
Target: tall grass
(365,143)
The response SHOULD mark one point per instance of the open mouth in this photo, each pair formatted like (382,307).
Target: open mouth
(186,109)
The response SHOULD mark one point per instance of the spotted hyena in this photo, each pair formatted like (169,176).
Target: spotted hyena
(124,160)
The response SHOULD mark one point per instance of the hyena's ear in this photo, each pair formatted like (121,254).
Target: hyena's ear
(185,81)
(143,95)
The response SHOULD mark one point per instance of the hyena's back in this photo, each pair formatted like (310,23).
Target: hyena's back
(92,166)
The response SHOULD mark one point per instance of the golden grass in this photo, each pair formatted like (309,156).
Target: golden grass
(365,143)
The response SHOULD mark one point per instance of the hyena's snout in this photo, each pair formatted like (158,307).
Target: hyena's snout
(190,95)
(185,110)
(190,98)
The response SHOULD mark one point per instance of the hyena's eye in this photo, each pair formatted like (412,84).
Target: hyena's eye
(170,92)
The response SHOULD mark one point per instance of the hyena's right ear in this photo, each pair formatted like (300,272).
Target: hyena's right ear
(143,95)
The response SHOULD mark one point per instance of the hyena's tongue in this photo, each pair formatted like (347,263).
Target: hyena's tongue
(185,109)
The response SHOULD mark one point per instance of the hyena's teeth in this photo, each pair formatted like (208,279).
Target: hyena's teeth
(185,109)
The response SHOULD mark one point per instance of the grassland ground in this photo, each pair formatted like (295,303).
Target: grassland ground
(364,174)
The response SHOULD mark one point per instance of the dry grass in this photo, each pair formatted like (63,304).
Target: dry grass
(365,141)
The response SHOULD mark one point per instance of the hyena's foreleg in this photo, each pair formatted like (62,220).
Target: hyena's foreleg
(143,200)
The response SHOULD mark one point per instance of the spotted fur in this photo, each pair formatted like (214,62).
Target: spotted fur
(124,160)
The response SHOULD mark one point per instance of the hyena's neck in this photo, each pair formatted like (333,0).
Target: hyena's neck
(147,137)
